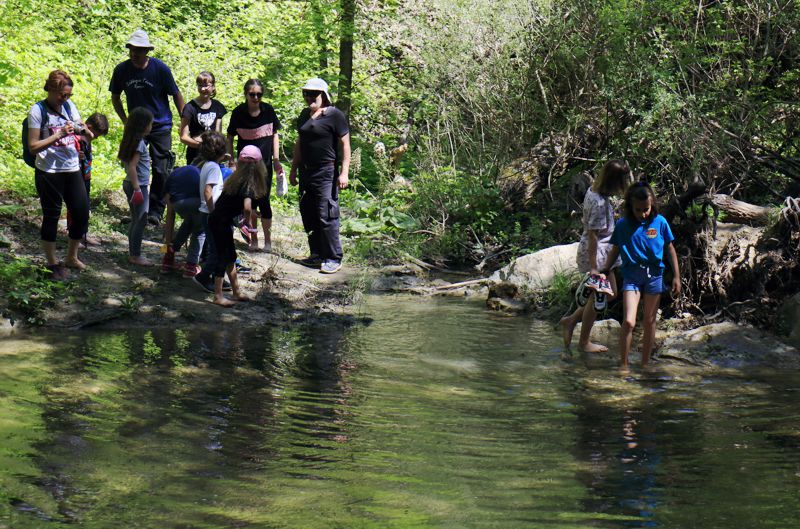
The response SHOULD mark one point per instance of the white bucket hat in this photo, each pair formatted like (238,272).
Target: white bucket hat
(318,85)
(139,39)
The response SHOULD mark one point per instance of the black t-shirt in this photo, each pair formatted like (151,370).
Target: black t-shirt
(258,131)
(228,206)
(319,138)
(201,120)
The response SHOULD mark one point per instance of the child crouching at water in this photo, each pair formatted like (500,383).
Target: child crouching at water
(246,185)
(641,238)
(135,158)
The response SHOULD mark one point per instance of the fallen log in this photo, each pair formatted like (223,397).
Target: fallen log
(741,212)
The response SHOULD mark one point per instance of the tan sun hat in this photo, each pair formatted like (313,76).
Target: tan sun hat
(139,39)
(318,85)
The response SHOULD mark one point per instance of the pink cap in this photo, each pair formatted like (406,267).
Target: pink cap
(250,153)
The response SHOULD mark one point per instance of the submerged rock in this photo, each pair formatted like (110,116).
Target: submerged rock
(789,315)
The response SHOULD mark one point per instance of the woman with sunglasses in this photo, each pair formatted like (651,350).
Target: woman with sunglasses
(53,127)
(322,129)
(255,123)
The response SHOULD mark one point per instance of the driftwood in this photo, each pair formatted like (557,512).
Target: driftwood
(741,212)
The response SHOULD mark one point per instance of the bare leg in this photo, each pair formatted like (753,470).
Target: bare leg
(568,324)
(233,277)
(219,298)
(266,225)
(72,260)
(630,303)
(589,316)
(254,235)
(649,325)
(49,252)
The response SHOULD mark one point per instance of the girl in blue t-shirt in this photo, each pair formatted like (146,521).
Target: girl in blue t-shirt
(135,158)
(641,238)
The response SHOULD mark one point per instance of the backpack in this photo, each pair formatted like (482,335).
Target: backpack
(27,155)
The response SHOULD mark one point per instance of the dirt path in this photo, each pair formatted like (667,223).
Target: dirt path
(113,293)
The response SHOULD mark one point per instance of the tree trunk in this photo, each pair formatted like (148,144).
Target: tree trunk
(740,212)
(346,55)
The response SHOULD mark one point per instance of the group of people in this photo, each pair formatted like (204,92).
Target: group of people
(638,244)
(248,155)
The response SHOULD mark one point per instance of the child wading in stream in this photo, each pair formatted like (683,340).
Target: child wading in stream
(641,238)
(598,224)
(247,184)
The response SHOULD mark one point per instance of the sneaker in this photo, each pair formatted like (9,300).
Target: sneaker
(329,266)
(594,282)
(245,233)
(605,286)
(243,270)
(206,283)
(168,262)
(583,292)
(190,270)
(599,301)
(312,261)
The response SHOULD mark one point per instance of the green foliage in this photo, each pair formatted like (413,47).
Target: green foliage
(561,290)
(26,290)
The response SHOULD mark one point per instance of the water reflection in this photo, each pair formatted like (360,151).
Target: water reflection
(437,415)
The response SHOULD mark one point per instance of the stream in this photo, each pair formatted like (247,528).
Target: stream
(437,414)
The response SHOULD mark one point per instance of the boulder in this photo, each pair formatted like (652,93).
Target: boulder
(509,306)
(604,332)
(728,344)
(789,320)
(536,271)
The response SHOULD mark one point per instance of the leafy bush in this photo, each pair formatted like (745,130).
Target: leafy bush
(26,289)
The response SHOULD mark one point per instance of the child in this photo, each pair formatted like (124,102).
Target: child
(183,197)
(598,224)
(201,114)
(135,157)
(95,126)
(641,238)
(213,151)
(246,185)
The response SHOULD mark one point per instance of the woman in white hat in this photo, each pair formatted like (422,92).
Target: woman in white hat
(322,130)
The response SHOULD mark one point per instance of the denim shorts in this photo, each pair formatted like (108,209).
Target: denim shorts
(640,279)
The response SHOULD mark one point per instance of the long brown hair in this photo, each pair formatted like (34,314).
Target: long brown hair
(614,176)
(250,176)
(139,119)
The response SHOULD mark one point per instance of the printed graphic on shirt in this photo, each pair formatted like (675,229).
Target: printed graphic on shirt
(207,120)
(652,233)
(138,84)
(253,134)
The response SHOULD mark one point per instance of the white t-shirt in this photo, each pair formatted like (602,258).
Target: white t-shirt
(62,156)
(210,174)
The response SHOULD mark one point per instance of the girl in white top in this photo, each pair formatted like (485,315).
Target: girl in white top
(598,225)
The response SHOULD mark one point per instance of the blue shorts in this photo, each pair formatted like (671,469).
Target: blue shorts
(638,279)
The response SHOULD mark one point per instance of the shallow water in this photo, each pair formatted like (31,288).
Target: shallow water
(438,414)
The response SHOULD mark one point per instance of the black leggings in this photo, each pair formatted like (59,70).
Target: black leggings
(55,188)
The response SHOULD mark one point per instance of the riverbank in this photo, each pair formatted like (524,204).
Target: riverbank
(112,293)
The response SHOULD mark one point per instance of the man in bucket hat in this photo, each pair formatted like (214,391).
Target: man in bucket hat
(148,82)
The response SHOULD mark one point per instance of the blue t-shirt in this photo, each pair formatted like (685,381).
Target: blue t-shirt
(642,243)
(149,88)
(183,183)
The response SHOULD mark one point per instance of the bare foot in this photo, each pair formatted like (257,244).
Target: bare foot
(567,328)
(253,247)
(75,263)
(593,348)
(138,260)
(241,297)
(223,302)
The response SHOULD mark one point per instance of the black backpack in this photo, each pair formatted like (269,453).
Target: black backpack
(27,155)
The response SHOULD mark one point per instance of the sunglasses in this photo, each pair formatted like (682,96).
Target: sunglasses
(256,95)
(313,94)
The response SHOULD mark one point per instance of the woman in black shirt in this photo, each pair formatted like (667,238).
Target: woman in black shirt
(322,129)
(255,123)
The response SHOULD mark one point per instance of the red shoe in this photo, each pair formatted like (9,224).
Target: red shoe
(168,261)
(190,270)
